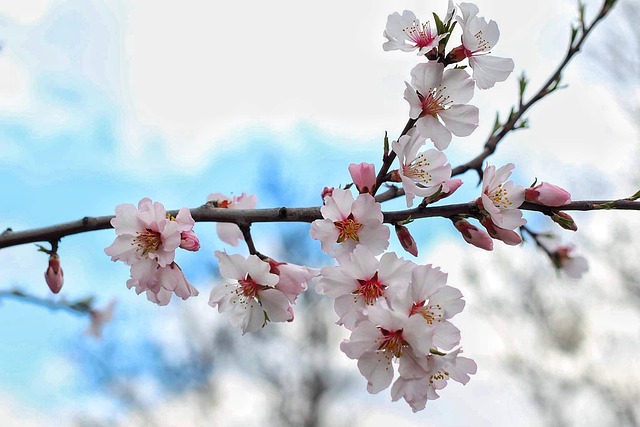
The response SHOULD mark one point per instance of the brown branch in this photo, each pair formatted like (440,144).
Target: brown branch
(246,217)
(80,307)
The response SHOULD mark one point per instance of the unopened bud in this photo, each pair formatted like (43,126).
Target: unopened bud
(326,192)
(547,194)
(564,220)
(406,240)
(457,54)
(509,237)
(448,188)
(54,276)
(473,235)
(363,176)
(189,241)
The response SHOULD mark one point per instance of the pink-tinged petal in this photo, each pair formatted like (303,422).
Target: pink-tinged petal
(473,235)
(394,271)
(350,310)
(461,120)
(376,367)
(426,76)
(229,233)
(293,279)
(458,86)
(365,209)
(446,336)
(171,278)
(511,219)
(415,106)
(363,176)
(412,366)
(431,128)
(259,271)
(122,249)
(374,236)
(325,231)
(231,266)
(338,206)
(216,197)
(426,281)
(252,318)
(275,304)
(414,392)
(245,201)
(575,266)
(386,318)
(334,283)
(419,335)
(509,237)
(362,339)
(219,296)
(144,271)
(185,220)
(161,298)
(361,264)
(488,69)
(126,219)
(450,299)
(548,195)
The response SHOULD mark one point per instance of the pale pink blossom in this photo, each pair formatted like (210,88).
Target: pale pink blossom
(381,338)
(473,235)
(423,174)
(99,318)
(363,176)
(160,283)
(292,278)
(350,223)
(547,194)
(478,38)
(228,232)
(437,100)
(248,293)
(563,257)
(146,233)
(438,369)
(501,199)
(406,33)
(360,280)
(54,276)
(429,297)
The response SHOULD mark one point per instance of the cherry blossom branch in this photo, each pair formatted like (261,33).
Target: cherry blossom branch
(246,217)
(80,307)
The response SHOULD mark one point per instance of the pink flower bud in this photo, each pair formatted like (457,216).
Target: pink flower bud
(326,192)
(564,220)
(189,241)
(509,237)
(474,235)
(54,276)
(548,195)
(448,188)
(363,176)
(457,54)
(406,240)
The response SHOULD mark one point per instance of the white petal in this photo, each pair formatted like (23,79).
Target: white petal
(461,120)
(487,70)
(430,127)
(229,233)
(376,367)
(426,76)
(275,304)
(458,86)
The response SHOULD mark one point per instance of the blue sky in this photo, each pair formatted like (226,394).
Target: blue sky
(105,106)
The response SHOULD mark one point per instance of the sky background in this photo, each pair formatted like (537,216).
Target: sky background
(106,102)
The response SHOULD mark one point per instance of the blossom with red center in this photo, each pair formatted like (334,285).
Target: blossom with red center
(383,337)
(228,232)
(360,280)
(478,38)
(406,33)
(423,173)
(500,199)
(248,293)
(350,223)
(437,100)
(429,297)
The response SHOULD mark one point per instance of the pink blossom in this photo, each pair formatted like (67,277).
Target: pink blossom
(437,100)
(54,276)
(547,194)
(292,278)
(500,199)
(350,223)
(562,256)
(160,283)
(326,191)
(381,338)
(146,233)
(478,38)
(361,280)
(423,174)
(228,232)
(404,32)
(363,176)
(406,240)
(474,235)
(248,293)
(99,318)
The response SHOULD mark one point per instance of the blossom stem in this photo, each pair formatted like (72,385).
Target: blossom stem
(389,157)
(80,307)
